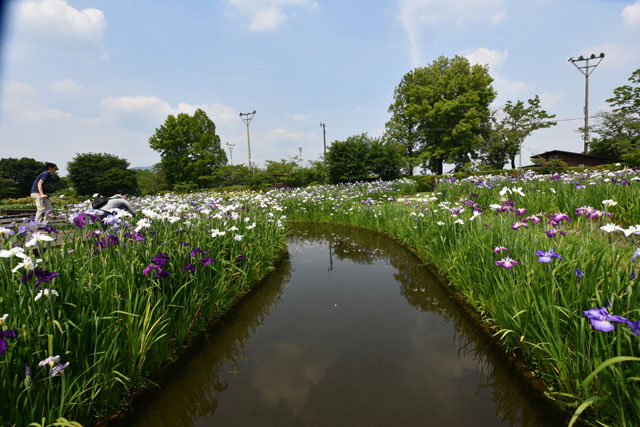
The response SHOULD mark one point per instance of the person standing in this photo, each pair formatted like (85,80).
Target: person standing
(39,194)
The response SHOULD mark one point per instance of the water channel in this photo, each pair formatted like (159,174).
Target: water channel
(350,330)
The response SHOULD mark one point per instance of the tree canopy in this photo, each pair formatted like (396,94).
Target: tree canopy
(441,112)
(510,127)
(19,175)
(618,131)
(361,157)
(101,173)
(189,148)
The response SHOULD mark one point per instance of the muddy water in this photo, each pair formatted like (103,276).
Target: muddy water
(349,331)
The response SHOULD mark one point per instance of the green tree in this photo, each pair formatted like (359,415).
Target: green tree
(22,172)
(619,130)
(347,160)
(189,148)
(314,174)
(8,187)
(100,173)
(151,181)
(493,150)
(518,122)
(402,128)
(443,109)
(386,158)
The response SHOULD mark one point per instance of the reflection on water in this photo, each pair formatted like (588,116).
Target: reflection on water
(329,339)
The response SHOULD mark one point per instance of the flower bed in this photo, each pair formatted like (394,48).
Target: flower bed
(548,261)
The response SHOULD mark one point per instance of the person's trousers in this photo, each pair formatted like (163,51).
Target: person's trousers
(44,210)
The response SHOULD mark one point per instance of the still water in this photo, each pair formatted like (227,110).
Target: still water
(350,330)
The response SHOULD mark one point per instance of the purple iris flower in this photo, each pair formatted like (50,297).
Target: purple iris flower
(160,259)
(4,335)
(579,274)
(552,232)
(22,229)
(207,260)
(533,218)
(189,267)
(241,257)
(635,255)
(517,225)
(196,251)
(150,268)
(521,211)
(27,276)
(161,274)
(44,276)
(138,237)
(506,263)
(633,275)
(27,371)
(499,249)
(93,234)
(58,369)
(559,217)
(547,256)
(79,220)
(183,243)
(112,240)
(48,229)
(601,319)
(100,244)
(635,326)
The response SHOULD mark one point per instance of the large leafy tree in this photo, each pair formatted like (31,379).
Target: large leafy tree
(360,157)
(619,130)
(347,160)
(189,148)
(402,128)
(443,111)
(517,122)
(20,174)
(386,158)
(101,173)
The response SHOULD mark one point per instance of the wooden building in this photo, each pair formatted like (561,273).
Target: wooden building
(573,159)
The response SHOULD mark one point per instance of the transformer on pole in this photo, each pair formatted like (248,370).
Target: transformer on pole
(246,118)
(586,69)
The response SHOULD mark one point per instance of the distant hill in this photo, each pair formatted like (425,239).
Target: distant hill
(143,168)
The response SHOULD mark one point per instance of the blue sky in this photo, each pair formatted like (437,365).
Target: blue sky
(101,75)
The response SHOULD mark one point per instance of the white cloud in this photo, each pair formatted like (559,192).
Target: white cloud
(510,88)
(494,59)
(67,85)
(135,111)
(56,24)
(616,55)
(631,15)
(415,14)
(17,88)
(20,104)
(268,15)
(484,56)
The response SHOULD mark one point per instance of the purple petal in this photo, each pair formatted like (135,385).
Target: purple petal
(602,325)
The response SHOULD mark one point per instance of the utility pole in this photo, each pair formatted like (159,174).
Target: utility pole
(324,138)
(230,146)
(586,70)
(246,118)
(300,149)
